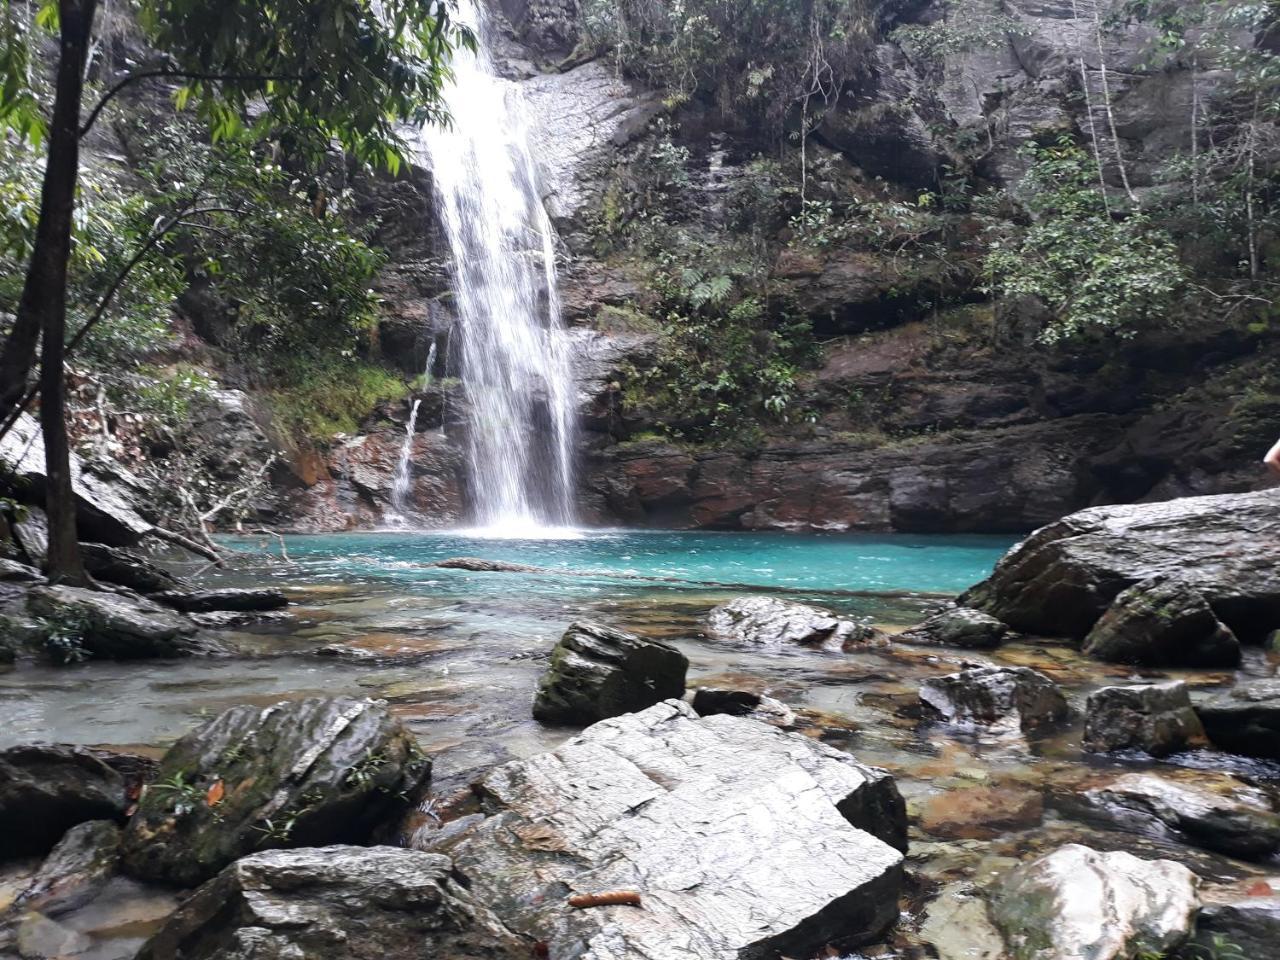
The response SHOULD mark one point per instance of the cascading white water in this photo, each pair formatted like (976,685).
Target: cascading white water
(514,355)
(404,468)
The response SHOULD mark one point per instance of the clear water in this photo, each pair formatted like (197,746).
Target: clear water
(514,352)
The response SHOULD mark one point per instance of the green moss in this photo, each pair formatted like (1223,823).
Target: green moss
(333,398)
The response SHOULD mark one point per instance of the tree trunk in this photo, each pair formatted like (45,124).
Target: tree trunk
(44,297)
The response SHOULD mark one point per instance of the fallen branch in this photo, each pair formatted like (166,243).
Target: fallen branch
(209,552)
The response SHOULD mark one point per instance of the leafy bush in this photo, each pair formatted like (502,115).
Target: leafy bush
(1093,272)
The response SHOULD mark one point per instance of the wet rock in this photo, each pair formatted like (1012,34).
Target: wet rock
(1061,579)
(1244,719)
(709,701)
(315,771)
(126,569)
(237,619)
(107,499)
(958,926)
(240,600)
(1016,698)
(961,627)
(1217,813)
(773,624)
(1154,717)
(741,839)
(478,565)
(597,672)
(1162,622)
(11,571)
(118,627)
(1077,902)
(364,903)
(981,813)
(45,789)
(1250,922)
(75,871)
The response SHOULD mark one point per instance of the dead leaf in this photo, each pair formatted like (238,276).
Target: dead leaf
(215,794)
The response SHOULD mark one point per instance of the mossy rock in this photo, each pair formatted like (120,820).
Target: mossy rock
(304,773)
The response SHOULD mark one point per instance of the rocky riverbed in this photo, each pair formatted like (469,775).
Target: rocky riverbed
(846,775)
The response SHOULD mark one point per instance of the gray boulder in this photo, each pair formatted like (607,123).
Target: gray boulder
(45,789)
(1162,622)
(361,903)
(961,627)
(598,672)
(1079,903)
(1244,719)
(1154,717)
(126,569)
(1061,579)
(75,871)
(315,771)
(742,841)
(1001,698)
(770,623)
(1217,812)
(239,600)
(115,626)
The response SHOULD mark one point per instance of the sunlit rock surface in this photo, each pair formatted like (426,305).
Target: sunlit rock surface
(770,623)
(788,852)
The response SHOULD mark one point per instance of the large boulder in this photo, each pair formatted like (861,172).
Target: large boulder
(116,626)
(1244,719)
(1079,903)
(45,789)
(1001,698)
(598,672)
(1061,579)
(75,871)
(362,903)
(234,599)
(126,569)
(1216,812)
(741,840)
(961,627)
(314,771)
(1154,717)
(1162,622)
(770,623)
(108,504)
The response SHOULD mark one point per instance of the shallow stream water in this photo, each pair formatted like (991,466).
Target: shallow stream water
(457,655)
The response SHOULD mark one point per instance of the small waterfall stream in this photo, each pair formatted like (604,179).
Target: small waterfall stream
(403,479)
(514,355)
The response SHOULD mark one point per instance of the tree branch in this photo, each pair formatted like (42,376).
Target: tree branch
(178,74)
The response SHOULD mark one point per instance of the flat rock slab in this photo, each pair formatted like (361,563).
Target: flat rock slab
(783,854)
(240,600)
(1060,579)
(357,903)
(1079,904)
(117,627)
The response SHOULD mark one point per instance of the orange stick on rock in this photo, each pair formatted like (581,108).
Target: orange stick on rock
(610,898)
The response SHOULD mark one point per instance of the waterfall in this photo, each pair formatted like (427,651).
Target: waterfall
(403,475)
(513,349)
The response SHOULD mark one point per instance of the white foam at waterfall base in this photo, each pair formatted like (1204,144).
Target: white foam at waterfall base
(514,352)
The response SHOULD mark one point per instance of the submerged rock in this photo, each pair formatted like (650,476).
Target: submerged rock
(598,672)
(1153,717)
(362,903)
(981,813)
(239,600)
(958,926)
(1061,579)
(478,565)
(75,871)
(774,624)
(961,627)
(1233,818)
(1162,622)
(1016,698)
(45,789)
(117,627)
(1245,719)
(315,771)
(740,839)
(1079,903)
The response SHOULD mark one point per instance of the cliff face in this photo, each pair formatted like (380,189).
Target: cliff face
(925,406)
